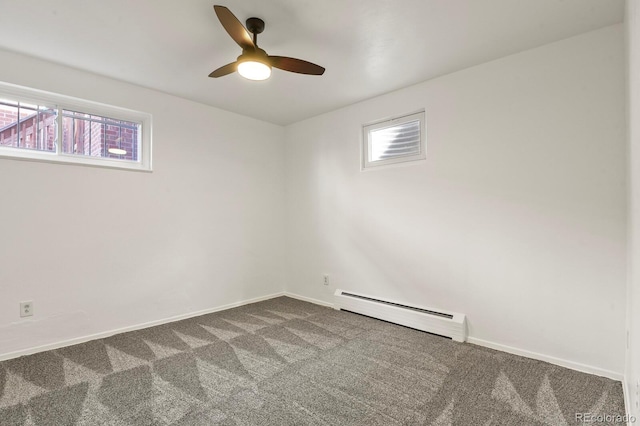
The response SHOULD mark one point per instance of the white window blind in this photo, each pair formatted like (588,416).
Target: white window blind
(396,140)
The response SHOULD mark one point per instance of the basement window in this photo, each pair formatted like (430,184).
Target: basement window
(396,140)
(43,126)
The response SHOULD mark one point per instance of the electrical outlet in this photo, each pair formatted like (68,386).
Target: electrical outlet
(326,279)
(26,308)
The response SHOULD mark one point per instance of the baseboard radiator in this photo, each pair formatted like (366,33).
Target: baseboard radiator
(436,321)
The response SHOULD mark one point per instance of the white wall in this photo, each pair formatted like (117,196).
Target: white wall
(99,249)
(517,218)
(632,370)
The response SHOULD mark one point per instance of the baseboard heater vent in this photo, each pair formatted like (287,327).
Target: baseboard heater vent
(436,321)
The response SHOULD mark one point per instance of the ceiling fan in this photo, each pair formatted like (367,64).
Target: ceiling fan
(254,63)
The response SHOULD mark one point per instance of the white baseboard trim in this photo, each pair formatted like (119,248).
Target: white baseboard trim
(550,359)
(308,299)
(102,335)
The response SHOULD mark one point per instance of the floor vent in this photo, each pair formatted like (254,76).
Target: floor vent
(436,321)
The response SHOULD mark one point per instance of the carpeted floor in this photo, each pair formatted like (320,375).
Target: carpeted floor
(286,362)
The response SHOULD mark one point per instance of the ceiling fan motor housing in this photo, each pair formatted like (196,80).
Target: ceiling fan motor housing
(257,55)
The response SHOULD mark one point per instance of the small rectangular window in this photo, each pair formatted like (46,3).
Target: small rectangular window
(392,141)
(37,125)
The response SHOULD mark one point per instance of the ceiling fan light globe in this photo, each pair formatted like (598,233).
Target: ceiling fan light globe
(254,70)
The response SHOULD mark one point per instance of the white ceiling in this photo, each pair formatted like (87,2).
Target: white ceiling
(368,47)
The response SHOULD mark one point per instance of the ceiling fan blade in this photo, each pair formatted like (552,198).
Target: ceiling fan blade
(235,29)
(295,65)
(224,70)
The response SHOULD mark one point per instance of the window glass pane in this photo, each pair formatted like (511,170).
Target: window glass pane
(8,123)
(395,141)
(27,126)
(96,136)
(47,135)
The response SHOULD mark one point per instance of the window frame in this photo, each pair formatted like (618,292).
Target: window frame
(62,102)
(366,164)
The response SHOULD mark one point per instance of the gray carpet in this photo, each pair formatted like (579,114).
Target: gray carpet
(286,362)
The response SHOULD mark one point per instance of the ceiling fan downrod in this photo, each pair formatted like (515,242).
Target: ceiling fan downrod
(255,27)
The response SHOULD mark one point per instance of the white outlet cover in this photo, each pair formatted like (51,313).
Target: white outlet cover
(26,309)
